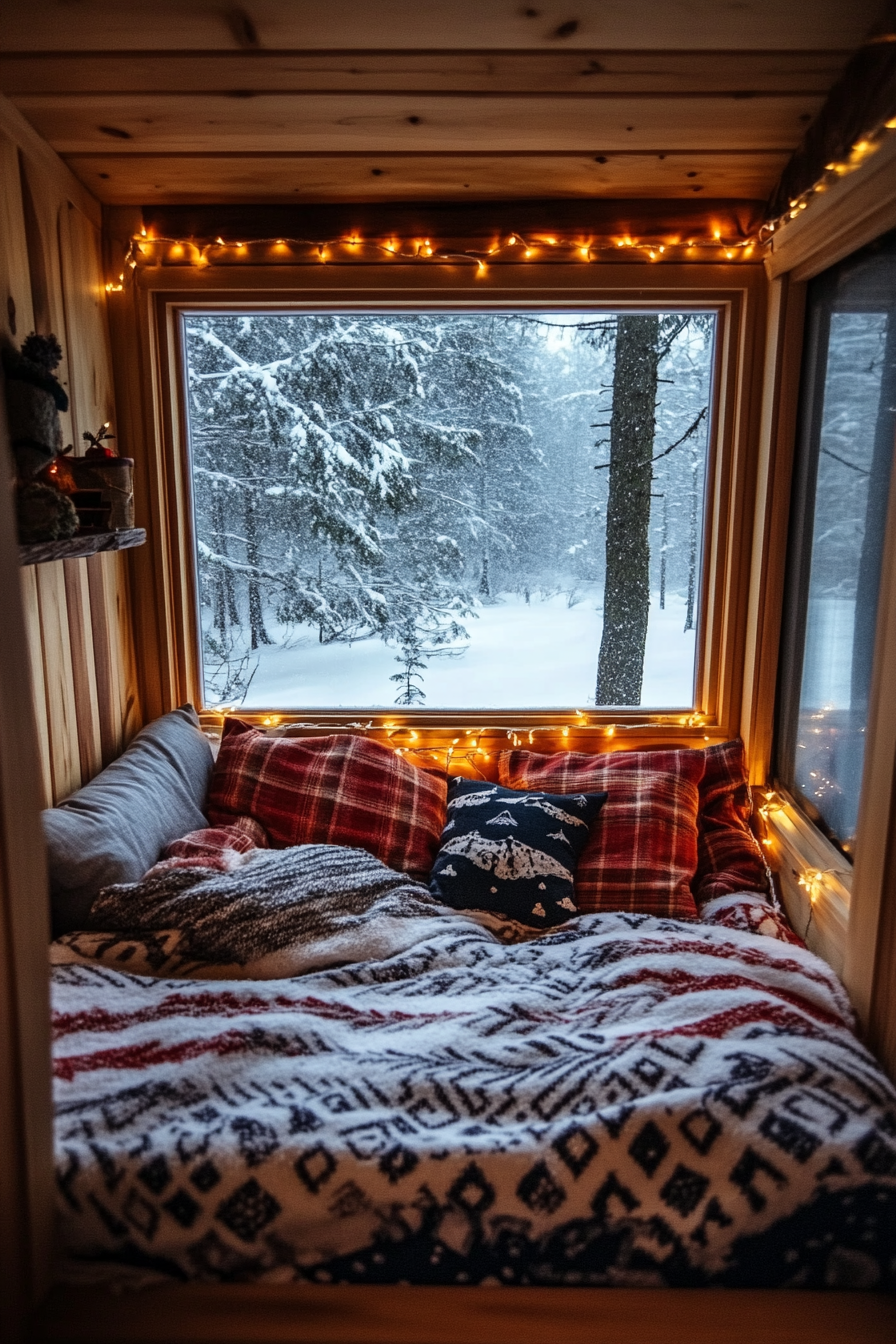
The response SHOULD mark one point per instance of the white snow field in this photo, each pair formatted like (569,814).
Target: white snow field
(539,655)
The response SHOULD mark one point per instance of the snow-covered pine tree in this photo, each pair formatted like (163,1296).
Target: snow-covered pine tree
(320,449)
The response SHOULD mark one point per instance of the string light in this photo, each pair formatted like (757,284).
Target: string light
(857,154)
(812,880)
(400,733)
(402,738)
(773,803)
(148,249)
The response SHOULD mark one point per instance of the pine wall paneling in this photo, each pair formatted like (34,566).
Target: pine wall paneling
(403,25)
(26,1170)
(77,612)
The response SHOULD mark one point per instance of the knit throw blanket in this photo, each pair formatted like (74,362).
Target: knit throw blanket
(280,913)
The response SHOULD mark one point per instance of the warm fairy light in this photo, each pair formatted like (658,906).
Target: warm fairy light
(565,732)
(772,803)
(811,880)
(611,731)
(142,248)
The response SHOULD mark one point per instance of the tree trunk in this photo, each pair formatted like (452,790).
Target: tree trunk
(620,666)
(258,634)
(225,597)
(692,549)
(484,579)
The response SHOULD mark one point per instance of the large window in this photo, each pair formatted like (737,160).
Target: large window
(841,489)
(487,509)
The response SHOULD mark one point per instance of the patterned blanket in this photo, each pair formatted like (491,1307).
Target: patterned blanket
(624,1100)
(278,913)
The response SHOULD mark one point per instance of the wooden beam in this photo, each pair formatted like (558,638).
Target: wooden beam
(239,73)
(210,179)
(855,210)
(26,1156)
(378,123)
(460,222)
(859,103)
(205,25)
(304,1314)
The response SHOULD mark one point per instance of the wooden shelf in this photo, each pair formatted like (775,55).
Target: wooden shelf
(40,552)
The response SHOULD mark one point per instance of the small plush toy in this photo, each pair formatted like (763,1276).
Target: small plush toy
(34,398)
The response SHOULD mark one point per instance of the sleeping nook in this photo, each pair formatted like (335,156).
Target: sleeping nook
(447,665)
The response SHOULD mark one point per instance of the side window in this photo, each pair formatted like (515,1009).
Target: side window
(843,468)
(447,510)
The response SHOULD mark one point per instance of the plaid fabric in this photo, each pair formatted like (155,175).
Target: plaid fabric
(339,790)
(729,857)
(218,847)
(642,853)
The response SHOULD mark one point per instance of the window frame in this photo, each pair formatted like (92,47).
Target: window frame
(167,635)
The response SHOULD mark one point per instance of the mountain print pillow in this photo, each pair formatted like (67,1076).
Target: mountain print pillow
(512,853)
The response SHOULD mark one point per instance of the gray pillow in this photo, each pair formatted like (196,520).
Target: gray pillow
(116,827)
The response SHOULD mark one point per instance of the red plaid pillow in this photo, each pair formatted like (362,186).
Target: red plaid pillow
(642,853)
(729,857)
(339,790)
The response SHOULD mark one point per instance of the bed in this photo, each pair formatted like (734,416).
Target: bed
(293,1063)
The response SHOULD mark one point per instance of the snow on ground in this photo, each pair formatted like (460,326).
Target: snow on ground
(540,655)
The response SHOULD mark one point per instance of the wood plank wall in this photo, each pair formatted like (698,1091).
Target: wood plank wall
(77,612)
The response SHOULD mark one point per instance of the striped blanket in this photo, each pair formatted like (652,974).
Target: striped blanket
(624,1100)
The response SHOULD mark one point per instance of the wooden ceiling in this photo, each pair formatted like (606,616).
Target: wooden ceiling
(187,101)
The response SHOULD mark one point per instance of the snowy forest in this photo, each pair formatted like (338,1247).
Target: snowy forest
(467,509)
(852,452)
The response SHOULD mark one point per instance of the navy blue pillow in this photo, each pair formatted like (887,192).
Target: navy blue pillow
(512,852)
